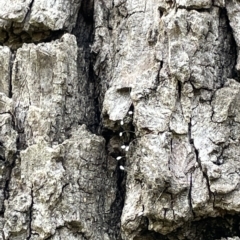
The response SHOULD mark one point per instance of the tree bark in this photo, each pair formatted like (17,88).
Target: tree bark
(120,119)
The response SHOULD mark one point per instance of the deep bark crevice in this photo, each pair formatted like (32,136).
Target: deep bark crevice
(208,229)
(10,74)
(226,30)
(117,205)
(150,235)
(86,10)
(190,196)
(28,38)
(89,84)
(127,138)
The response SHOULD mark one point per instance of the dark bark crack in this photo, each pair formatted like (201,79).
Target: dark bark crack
(30,215)
(191,141)
(27,16)
(10,74)
(190,196)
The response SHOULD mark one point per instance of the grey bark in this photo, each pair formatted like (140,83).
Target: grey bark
(120,119)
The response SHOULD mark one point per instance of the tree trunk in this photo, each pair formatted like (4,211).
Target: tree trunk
(120,119)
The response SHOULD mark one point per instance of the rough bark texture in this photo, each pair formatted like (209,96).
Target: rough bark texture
(120,119)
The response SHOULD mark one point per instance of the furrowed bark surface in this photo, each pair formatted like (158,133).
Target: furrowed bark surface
(120,119)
